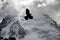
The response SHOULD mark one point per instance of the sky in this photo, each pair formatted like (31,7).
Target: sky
(37,7)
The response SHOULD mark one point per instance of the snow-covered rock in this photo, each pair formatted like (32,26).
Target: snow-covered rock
(10,27)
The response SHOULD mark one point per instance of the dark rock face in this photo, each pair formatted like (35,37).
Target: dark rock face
(52,22)
(16,30)
(5,22)
(12,38)
(1,38)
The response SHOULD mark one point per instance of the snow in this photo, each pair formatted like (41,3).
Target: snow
(38,28)
(42,26)
(6,30)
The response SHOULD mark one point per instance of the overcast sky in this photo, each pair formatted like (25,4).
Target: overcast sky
(37,7)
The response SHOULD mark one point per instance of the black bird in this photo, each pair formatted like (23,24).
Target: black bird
(28,15)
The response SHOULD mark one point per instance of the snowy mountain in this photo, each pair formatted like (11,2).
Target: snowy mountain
(44,25)
(10,27)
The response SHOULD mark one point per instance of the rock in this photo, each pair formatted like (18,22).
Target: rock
(17,30)
(1,38)
(5,22)
(6,39)
(14,27)
(51,21)
(12,38)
